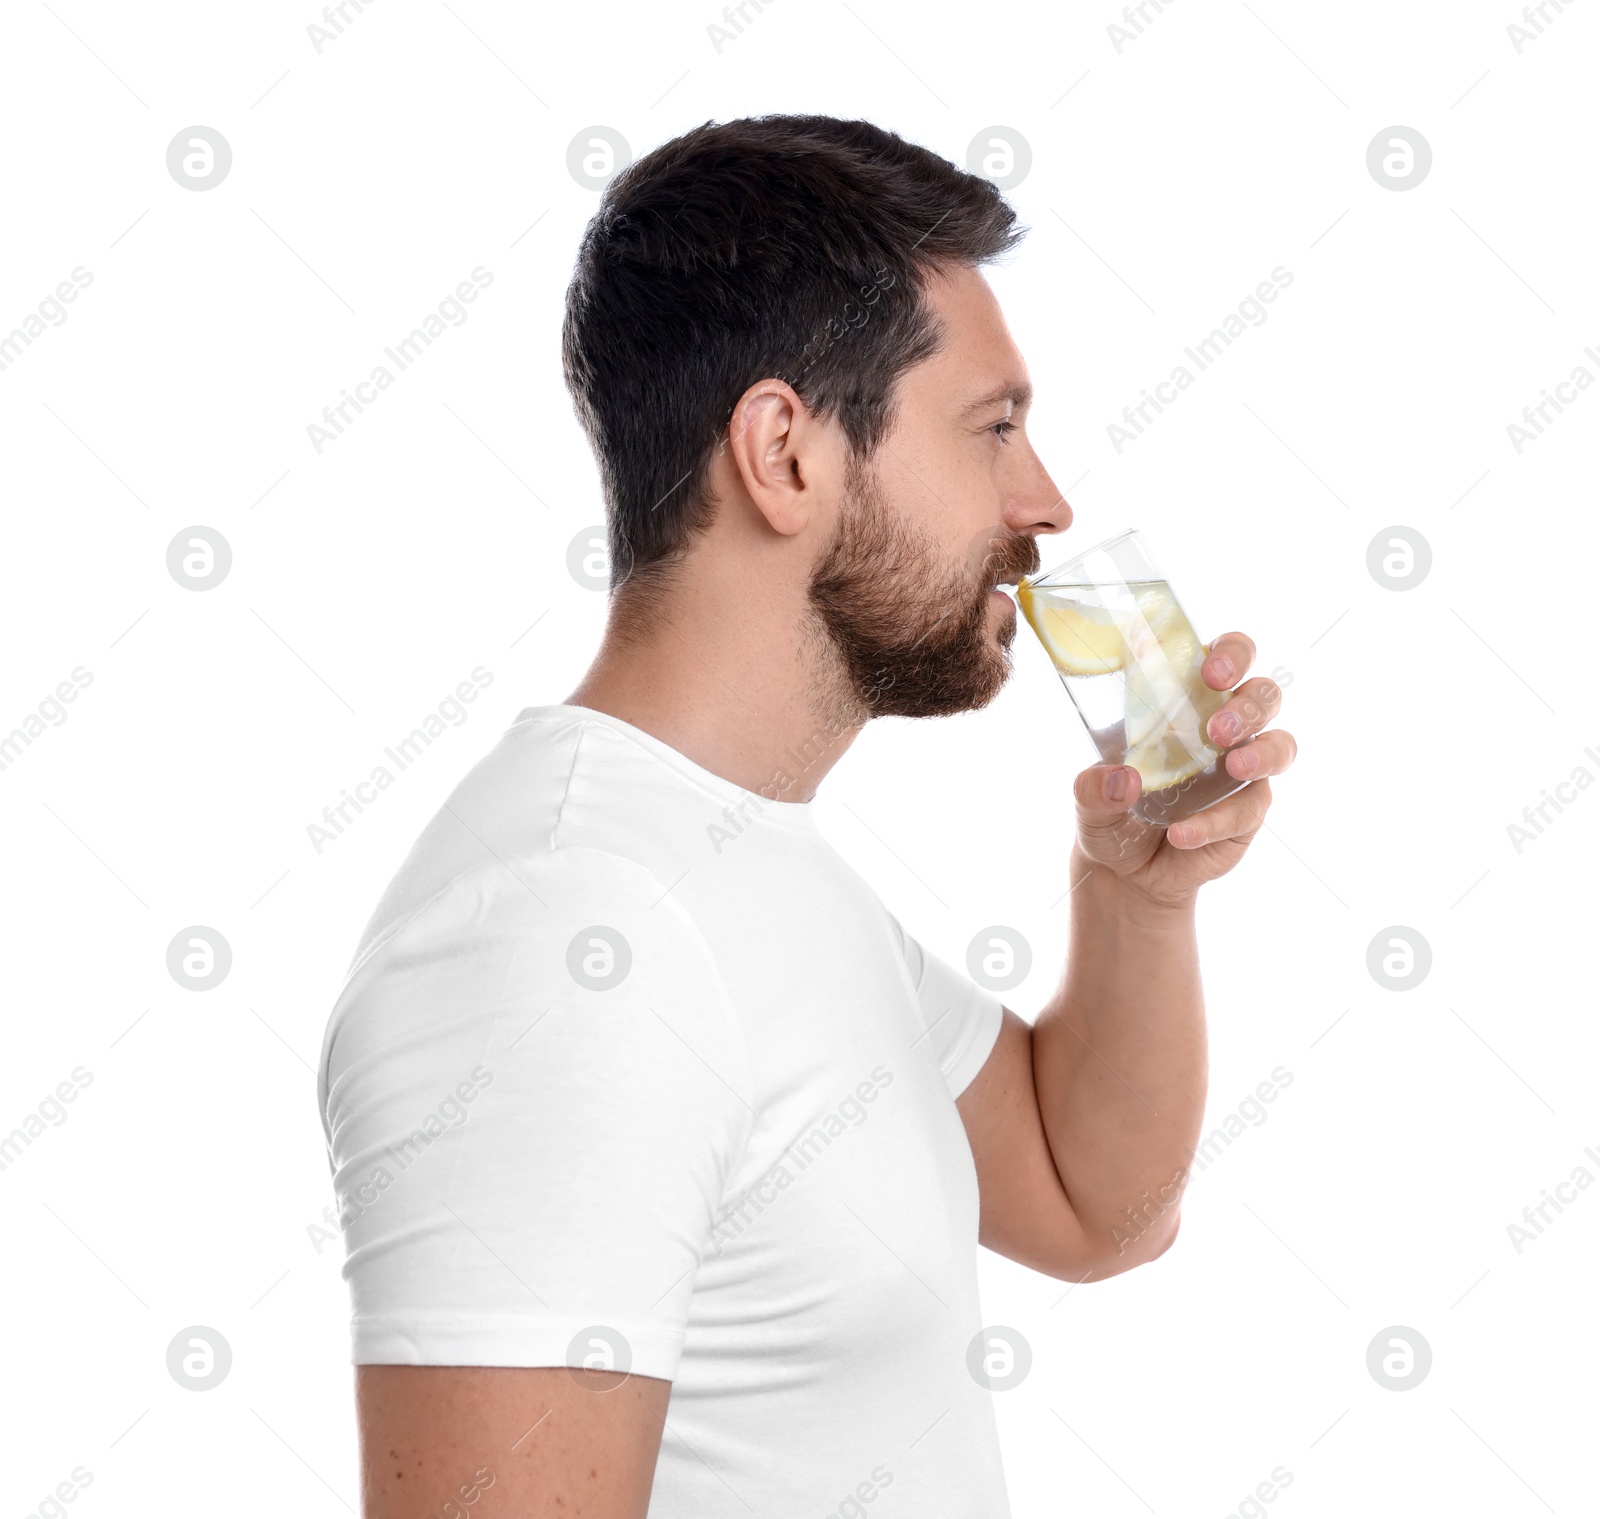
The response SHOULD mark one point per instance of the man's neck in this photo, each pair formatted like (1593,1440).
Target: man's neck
(745,691)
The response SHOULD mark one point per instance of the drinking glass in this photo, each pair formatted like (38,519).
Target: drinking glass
(1130,661)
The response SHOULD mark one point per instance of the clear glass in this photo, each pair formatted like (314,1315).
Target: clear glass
(1130,661)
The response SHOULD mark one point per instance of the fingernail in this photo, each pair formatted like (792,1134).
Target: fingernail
(1180,833)
(1222,668)
(1247,763)
(1225,727)
(1117,785)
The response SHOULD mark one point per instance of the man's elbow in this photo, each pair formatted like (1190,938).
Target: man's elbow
(1170,1237)
(1125,1250)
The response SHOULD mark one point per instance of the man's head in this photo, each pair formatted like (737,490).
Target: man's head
(780,347)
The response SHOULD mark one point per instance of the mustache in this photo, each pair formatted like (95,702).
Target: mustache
(1002,555)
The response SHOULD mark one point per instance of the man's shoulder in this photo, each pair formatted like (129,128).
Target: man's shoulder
(557,798)
(490,912)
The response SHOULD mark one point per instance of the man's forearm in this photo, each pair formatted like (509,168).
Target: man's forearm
(1120,1063)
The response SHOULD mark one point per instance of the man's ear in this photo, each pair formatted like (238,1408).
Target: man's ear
(776,444)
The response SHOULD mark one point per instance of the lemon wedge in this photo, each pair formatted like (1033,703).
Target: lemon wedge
(1164,759)
(1166,705)
(1162,677)
(1081,639)
(1154,698)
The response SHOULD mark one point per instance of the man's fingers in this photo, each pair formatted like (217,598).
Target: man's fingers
(1230,656)
(1247,711)
(1269,754)
(1109,833)
(1240,817)
(1104,793)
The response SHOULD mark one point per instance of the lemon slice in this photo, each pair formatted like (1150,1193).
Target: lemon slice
(1081,639)
(1166,705)
(1162,657)
(1155,698)
(1163,760)
(1085,639)
(1164,688)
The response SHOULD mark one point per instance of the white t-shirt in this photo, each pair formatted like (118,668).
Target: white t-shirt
(632,1070)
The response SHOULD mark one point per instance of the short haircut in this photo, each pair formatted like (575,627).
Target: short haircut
(788,247)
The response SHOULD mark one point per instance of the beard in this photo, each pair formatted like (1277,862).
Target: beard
(908,629)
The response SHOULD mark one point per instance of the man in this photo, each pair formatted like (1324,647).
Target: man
(663,1150)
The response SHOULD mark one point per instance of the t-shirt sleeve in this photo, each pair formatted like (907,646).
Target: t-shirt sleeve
(962,1020)
(535,1094)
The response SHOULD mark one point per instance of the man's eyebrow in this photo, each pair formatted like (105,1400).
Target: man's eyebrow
(1018,392)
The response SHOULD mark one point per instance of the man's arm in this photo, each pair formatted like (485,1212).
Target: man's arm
(1082,1127)
(1095,1109)
(520,1442)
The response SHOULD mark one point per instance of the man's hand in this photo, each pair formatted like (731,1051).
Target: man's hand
(1167,866)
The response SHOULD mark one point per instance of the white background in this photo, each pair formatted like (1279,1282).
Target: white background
(1167,180)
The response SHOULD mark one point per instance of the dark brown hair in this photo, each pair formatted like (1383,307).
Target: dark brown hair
(789,247)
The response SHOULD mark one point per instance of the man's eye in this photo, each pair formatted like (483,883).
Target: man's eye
(1000,429)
